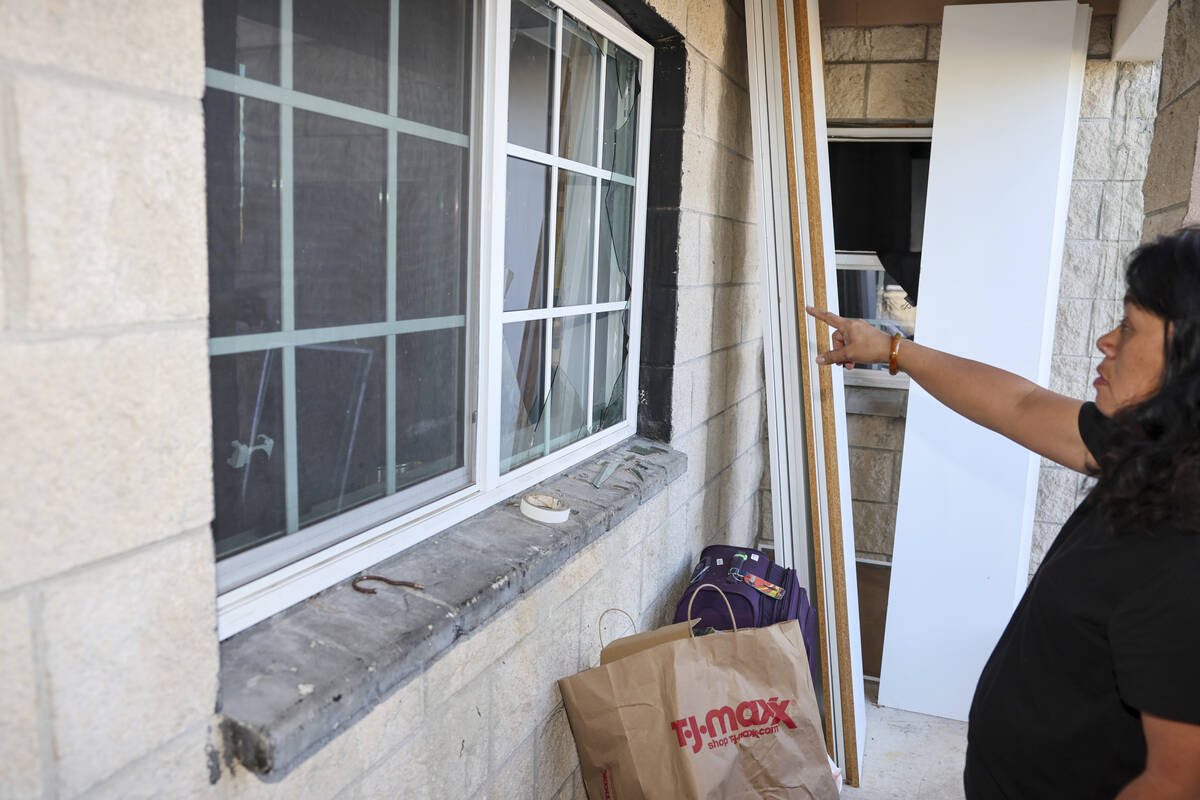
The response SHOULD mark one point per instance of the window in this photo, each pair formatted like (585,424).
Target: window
(878,180)
(425,238)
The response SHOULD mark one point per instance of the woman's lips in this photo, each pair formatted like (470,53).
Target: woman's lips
(1099,381)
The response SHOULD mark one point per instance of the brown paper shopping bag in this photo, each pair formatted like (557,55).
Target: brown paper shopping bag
(732,715)
(628,645)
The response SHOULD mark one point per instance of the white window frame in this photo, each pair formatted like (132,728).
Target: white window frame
(253,600)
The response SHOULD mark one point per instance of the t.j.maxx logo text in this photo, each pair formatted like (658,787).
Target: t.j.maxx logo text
(750,718)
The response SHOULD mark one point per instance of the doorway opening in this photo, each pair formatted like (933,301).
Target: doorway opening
(879,179)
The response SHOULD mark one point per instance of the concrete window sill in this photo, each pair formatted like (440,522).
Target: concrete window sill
(294,681)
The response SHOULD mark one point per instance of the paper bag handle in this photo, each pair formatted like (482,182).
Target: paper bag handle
(723,597)
(600,626)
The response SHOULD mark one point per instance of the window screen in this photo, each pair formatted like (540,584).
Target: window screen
(338,209)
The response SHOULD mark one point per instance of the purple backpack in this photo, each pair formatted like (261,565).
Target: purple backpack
(760,592)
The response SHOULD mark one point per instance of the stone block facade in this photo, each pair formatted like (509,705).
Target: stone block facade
(1104,224)
(718,411)
(1173,175)
(881,75)
(876,439)
(107,589)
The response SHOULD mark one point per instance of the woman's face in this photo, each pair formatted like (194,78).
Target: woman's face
(1134,358)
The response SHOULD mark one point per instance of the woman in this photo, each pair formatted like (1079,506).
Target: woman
(1093,690)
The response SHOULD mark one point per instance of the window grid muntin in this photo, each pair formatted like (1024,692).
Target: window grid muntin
(287,257)
(272,591)
(549,312)
(393,181)
(596,201)
(288,338)
(551,240)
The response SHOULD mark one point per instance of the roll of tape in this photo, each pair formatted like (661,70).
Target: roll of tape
(545,508)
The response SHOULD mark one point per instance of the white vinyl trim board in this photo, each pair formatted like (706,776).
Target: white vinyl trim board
(1007,108)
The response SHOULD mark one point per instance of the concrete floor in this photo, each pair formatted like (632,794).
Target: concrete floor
(910,756)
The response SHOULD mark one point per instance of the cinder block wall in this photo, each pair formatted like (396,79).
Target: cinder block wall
(881,75)
(107,640)
(876,438)
(718,411)
(888,76)
(1104,224)
(106,565)
(1173,179)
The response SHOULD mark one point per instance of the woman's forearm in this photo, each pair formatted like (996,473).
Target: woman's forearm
(1033,417)
(1012,406)
(981,393)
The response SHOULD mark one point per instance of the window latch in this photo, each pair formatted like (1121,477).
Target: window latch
(241,454)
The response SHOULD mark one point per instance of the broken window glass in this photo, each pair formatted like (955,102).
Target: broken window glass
(608,389)
(616,244)
(568,380)
(580,92)
(621,90)
(522,394)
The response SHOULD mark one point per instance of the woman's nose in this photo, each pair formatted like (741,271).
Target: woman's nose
(1106,343)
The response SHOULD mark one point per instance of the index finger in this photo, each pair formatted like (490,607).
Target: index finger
(828,317)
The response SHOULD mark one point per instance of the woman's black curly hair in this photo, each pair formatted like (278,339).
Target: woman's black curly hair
(1150,475)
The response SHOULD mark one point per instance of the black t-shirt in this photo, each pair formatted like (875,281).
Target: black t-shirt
(1108,627)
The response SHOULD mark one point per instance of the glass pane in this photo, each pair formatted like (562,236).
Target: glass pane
(430,404)
(616,220)
(242,143)
(522,393)
(872,294)
(431,228)
(580,92)
(435,63)
(527,199)
(530,73)
(242,37)
(340,228)
(340,426)
(341,50)
(248,455)
(573,247)
(568,381)
(621,90)
(608,387)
